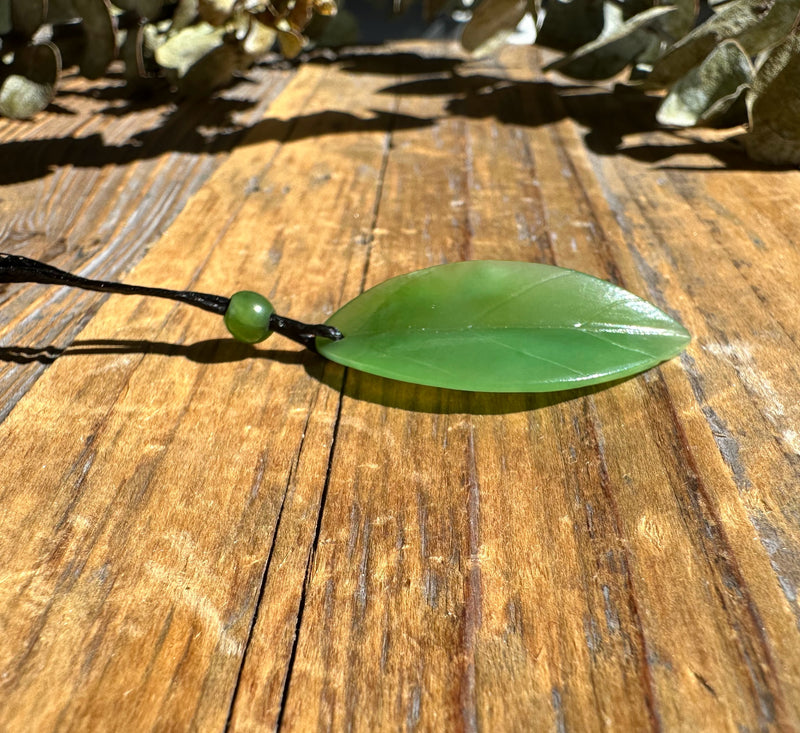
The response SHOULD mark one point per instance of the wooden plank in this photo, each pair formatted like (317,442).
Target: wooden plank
(157,560)
(207,535)
(725,414)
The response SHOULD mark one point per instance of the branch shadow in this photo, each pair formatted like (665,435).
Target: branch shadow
(25,160)
(390,64)
(207,126)
(609,116)
(351,383)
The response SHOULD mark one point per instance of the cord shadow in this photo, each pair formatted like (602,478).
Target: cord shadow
(211,351)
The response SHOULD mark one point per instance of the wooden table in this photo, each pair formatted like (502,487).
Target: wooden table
(201,535)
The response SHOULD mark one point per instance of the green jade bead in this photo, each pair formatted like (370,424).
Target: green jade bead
(247,317)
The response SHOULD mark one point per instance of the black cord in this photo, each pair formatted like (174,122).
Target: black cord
(18,269)
(303,333)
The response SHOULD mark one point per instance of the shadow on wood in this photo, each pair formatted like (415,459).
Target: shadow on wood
(354,384)
(29,159)
(610,115)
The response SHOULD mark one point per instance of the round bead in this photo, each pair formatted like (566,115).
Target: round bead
(247,317)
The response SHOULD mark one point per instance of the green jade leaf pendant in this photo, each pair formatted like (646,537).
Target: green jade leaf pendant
(495,326)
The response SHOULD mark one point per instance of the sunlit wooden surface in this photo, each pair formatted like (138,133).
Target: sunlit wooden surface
(196,534)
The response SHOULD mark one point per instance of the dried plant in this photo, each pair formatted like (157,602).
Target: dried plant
(720,63)
(198,45)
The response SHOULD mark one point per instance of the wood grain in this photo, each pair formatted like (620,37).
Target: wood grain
(92,185)
(197,534)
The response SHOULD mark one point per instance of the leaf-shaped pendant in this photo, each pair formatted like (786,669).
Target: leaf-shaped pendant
(492,326)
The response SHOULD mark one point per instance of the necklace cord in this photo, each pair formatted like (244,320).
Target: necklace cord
(19,269)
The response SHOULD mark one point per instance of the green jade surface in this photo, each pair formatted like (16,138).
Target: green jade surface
(495,326)
(247,317)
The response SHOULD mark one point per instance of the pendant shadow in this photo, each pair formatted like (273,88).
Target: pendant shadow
(441,401)
(349,382)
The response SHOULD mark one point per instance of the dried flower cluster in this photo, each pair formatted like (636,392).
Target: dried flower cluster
(196,44)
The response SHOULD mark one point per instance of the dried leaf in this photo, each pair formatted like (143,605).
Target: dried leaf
(291,42)
(186,47)
(566,26)
(131,51)
(30,86)
(619,45)
(259,39)
(60,11)
(299,15)
(273,11)
(501,327)
(28,15)
(774,106)
(199,59)
(99,27)
(708,90)
(153,38)
(5,17)
(212,71)
(771,28)
(144,8)
(185,14)
(215,12)
(679,23)
(491,21)
(754,24)
(327,8)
